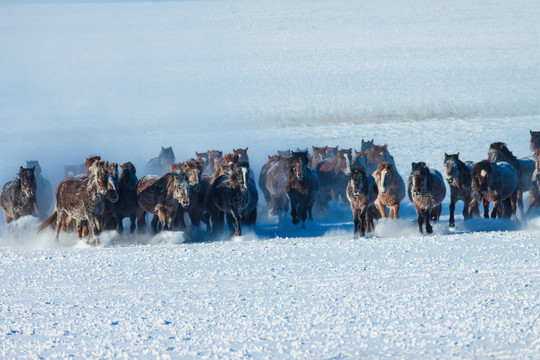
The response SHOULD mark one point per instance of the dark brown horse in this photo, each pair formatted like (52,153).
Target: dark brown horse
(242,155)
(321,154)
(376,155)
(18,196)
(44,190)
(126,206)
(458,177)
(160,164)
(535,202)
(192,168)
(110,219)
(366,145)
(362,192)
(160,196)
(232,195)
(535,140)
(494,182)
(391,189)
(426,191)
(498,151)
(302,187)
(211,160)
(359,159)
(273,181)
(82,200)
(333,177)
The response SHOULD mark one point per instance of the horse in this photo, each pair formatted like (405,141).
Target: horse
(302,187)
(275,183)
(458,177)
(362,192)
(494,182)
(160,196)
(498,151)
(81,199)
(426,191)
(535,140)
(110,219)
(126,206)
(376,155)
(211,161)
(536,181)
(359,159)
(44,190)
(366,145)
(192,168)
(333,175)
(231,195)
(242,155)
(391,188)
(262,177)
(160,164)
(321,154)
(18,196)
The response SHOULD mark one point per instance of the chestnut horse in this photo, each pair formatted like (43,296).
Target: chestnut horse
(160,164)
(426,191)
(535,140)
(362,192)
(82,200)
(192,168)
(18,196)
(458,177)
(302,187)
(376,155)
(494,182)
(44,190)
(391,189)
(275,183)
(321,154)
(160,196)
(536,181)
(333,177)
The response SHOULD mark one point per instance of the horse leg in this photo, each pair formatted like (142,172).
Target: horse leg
(356,219)
(230,220)
(419,217)
(304,215)
(382,208)
(486,209)
(141,221)
(513,199)
(162,218)
(61,215)
(179,220)
(395,212)
(238,222)
(452,209)
(294,214)
(96,230)
(363,221)
(79,228)
(8,219)
(427,215)
(519,203)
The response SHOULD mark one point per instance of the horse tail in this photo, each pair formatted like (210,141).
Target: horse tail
(48,222)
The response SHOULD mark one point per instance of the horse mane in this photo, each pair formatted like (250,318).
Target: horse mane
(128,165)
(231,158)
(480,166)
(535,140)
(176,167)
(192,164)
(385,166)
(332,164)
(89,161)
(500,146)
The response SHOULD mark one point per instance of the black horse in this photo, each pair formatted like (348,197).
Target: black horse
(302,187)
(458,177)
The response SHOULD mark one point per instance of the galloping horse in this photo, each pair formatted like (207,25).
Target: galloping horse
(275,184)
(362,192)
(333,177)
(110,219)
(82,200)
(535,140)
(18,196)
(498,151)
(44,190)
(160,196)
(302,187)
(126,206)
(192,168)
(391,189)
(376,155)
(458,177)
(231,195)
(366,145)
(426,191)
(321,154)
(536,180)
(160,164)
(494,182)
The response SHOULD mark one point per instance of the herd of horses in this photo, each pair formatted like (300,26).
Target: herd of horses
(212,188)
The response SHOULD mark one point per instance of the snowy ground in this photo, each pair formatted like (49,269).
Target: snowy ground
(121,79)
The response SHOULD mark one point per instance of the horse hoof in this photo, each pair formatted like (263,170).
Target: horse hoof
(429,230)
(452,225)
(295,221)
(303,226)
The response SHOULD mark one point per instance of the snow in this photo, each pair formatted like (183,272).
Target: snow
(121,79)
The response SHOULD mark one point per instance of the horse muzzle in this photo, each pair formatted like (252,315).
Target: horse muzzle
(112,196)
(449,180)
(416,192)
(184,203)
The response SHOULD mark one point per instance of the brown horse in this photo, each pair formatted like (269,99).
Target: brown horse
(160,196)
(321,154)
(366,145)
(426,191)
(362,192)
(302,187)
(262,178)
(535,202)
(391,189)
(275,183)
(359,159)
(376,155)
(44,190)
(110,219)
(494,182)
(160,164)
(18,196)
(535,140)
(242,155)
(498,151)
(192,168)
(458,177)
(211,160)
(333,177)
(126,206)
(82,200)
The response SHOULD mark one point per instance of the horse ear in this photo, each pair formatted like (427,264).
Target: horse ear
(33,168)
(457,155)
(413,165)
(530,131)
(385,146)
(21,170)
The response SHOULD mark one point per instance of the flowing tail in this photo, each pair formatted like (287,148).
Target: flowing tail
(48,222)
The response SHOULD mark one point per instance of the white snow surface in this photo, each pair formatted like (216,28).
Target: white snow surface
(121,79)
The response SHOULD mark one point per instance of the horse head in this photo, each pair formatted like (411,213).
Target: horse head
(193,168)
(27,179)
(383,176)
(112,182)
(89,161)
(419,178)
(242,154)
(34,163)
(358,180)
(178,186)
(359,159)
(128,176)
(345,156)
(166,157)
(451,167)
(215,158)
(297,164)
(366,145)
(202,157)
(481,177)
(98,174)
(284,153)
(537,169)
(377,154)
(239,175)
(330,152)
(535,140)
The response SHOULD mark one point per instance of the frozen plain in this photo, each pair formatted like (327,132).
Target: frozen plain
(122,79)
